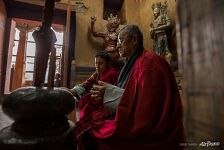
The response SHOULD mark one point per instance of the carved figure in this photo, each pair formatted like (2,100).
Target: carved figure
(110,36)
(158,29)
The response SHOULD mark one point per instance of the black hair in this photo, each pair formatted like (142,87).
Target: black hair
(105,55)
(130,31)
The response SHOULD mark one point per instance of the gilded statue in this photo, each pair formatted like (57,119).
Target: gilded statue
(110,36)
(158,29)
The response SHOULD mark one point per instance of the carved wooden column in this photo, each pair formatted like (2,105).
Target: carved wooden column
(39,112)
(18,77)
(65,53)
(52,67)
(8,57)
(45,39)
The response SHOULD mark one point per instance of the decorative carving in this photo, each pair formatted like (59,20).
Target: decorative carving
(45,39)
(110,37)
(113,20)
(158,29)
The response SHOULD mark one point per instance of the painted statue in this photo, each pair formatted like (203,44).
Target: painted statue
(158,28)
(110,36)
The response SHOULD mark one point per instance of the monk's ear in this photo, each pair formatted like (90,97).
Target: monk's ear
(135,40)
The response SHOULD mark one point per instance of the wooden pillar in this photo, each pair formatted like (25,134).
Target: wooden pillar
(4,55)
(11,77)
(18,77)
(8,57)
(52,67)
(44,38)
(65,53)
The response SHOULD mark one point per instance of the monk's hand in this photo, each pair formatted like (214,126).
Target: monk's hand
(98,90)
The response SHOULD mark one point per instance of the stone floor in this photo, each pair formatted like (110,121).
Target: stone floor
(4,120)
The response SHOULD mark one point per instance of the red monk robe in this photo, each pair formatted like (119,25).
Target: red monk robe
(91,110)
(149,115)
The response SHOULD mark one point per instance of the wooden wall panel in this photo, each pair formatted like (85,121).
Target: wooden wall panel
(202,44)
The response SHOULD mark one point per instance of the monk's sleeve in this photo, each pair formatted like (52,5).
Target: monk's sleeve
(79,89)
(85,87)
(112,97)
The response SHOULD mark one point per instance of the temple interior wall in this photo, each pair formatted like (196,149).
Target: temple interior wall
(139,13)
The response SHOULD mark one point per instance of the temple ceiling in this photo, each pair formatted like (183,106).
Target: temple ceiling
(62,4)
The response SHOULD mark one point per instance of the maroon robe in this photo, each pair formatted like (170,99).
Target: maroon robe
(91,110)
(109,76)
(149,115)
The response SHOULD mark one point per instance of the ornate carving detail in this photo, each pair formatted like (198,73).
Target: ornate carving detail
(110,36)
(156,5)
(158,30)
(113,20)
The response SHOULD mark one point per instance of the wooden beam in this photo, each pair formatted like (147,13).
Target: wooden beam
(66,49)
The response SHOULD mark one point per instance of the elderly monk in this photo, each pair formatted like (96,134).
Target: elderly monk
(146,102)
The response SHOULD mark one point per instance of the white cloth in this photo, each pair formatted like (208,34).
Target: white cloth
(112,97)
